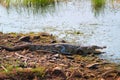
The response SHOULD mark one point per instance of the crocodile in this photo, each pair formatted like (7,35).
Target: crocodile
(63,48)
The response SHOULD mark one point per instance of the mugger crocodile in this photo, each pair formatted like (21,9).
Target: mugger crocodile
(63,48)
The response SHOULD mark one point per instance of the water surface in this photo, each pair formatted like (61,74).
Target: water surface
(85,22)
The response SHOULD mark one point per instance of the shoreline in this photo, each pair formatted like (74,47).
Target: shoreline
(46,66)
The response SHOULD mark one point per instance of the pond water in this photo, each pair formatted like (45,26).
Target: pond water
(85,22)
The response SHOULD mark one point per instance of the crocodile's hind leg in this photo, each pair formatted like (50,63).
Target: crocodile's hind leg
(62,49)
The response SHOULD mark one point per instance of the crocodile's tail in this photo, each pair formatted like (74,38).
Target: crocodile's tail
(15,48)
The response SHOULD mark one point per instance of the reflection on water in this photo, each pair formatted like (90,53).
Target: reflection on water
(32,6)
(78,21)
(98,6)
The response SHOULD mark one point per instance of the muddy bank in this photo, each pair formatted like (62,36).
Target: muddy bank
(41,65)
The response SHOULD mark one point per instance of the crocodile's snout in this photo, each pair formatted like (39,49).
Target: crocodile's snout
(98,47)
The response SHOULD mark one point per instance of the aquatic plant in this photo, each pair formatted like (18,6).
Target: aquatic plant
(34,5)
(98,6)
(37,3)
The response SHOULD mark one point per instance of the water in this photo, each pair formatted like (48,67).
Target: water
(85,22)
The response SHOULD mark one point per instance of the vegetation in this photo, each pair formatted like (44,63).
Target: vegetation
(38,65)
(34,5)
(98,6)
(41,65)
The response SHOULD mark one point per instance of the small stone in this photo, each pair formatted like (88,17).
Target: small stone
(56,55)
(25,38)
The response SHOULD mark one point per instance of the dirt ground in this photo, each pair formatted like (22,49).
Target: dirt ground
(38,65)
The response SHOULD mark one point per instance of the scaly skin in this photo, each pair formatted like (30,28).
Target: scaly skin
(63,48)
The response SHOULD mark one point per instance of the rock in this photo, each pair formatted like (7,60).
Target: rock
(56,55)
(25,38)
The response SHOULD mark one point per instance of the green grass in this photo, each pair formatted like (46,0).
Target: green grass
(23,73)
(36,3)
(98,6)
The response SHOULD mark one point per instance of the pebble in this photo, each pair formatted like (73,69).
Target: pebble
(56,55)
(25,38)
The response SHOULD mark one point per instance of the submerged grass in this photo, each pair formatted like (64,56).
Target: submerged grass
(98,6)
(41,3)
(27,3)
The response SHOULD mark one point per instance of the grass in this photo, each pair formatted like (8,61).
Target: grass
(26,73)
(98,6)
(27,3)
